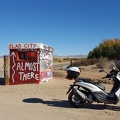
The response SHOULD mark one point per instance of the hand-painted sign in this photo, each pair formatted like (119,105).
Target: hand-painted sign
(30,63)
(22,46)
(30,46)
(25,69)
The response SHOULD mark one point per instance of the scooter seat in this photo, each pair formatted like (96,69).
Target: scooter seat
(87,80)
(98,84)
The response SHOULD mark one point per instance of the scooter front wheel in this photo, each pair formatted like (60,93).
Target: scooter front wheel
(75,100)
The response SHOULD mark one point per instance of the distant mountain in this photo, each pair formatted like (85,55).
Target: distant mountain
(68,56)
(71,56)
(1,56)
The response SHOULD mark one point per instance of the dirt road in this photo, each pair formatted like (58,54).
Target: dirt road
(48,101)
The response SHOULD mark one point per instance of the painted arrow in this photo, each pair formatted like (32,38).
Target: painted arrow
(14,64)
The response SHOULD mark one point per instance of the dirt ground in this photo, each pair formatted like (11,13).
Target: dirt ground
(48,100)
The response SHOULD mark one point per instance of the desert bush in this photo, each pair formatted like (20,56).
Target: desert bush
(58,60)
(84,62)
(102,63)
(69,59)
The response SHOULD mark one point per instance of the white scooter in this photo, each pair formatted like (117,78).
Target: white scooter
(88,91)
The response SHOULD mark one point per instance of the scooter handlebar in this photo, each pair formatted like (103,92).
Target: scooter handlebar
(103,77)
(110,75)
(107,76)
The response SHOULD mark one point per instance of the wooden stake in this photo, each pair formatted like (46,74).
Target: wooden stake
(6,69)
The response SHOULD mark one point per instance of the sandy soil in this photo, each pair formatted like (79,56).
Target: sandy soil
(48,101)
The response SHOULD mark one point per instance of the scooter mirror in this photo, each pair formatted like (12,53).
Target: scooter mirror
(101,70)
(114,68)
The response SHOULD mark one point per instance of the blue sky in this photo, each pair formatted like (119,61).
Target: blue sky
(71,27)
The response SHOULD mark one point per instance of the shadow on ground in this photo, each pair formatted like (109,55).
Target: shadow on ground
(65,104)
(2,81)
(54,102)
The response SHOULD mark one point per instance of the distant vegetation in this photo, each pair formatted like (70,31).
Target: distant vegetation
(65,59)
(77,62)
(107,49)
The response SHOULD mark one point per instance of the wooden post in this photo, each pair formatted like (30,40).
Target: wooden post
(71,63)
(6,69)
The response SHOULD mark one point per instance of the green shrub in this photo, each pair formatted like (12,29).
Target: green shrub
(108,48)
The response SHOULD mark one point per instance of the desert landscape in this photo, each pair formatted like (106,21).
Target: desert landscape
(48,100)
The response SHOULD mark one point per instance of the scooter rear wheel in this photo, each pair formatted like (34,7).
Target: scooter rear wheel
(75,100)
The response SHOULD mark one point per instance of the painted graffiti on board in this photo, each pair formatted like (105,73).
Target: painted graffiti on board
(48,48)
(13,55)
(31,67)
(25,70)
(30,63)
(21,46)
(46,75)
(46,59)
(46,62)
